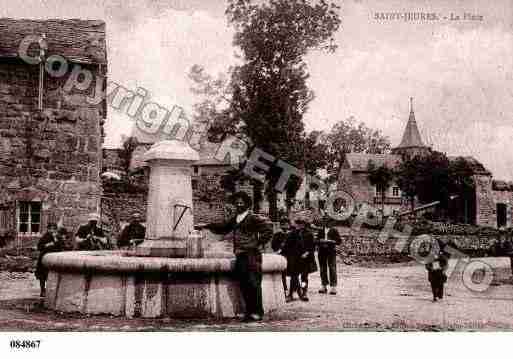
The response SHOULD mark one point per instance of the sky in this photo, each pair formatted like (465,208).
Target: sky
(459,72)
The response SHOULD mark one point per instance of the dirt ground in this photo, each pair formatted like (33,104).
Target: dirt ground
(390,297)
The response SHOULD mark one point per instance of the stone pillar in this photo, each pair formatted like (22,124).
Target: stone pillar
(169,220)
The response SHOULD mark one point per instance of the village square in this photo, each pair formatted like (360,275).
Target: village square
(230,213)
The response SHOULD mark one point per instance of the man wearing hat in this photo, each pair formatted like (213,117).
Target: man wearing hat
(133,234)
(250,233)
(49,242)
(327,240)
(90,237)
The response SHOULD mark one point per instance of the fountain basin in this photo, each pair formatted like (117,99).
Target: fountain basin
(119,283)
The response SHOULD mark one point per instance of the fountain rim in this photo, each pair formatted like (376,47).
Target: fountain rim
(115,261)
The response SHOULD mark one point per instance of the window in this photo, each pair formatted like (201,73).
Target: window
(396,192)
(379,191)
(29,218)
(195,169)
(194,184)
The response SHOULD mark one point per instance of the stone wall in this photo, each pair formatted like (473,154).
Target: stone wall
(487,199)
(120,200)
(209,198)
(54,156)
(364,242)
(118,208)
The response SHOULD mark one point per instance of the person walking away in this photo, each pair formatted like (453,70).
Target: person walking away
(437,270)
(250,233)
(277,245)
(49,242)
(328,239)
(307,259)
(133,234)
(90,237)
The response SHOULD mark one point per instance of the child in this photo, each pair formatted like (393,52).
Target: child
(436,272)
(278,243)
(292,250)
(49,242)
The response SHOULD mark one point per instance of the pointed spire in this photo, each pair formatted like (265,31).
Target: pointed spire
(411,136)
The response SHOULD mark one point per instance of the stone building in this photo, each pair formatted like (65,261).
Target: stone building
(492,204)
(50,134)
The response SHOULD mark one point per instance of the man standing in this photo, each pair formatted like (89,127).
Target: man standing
(90,237)
(327,240)
(133,234)
(250,233)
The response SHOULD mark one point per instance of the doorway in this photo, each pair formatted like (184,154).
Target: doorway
(502,215)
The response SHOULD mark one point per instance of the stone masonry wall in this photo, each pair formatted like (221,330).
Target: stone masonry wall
(487,200)
(53,156)
(365,242)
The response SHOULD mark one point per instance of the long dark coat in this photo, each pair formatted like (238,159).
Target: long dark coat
(438,275)
(309,265)
(299,242)
(56,245)
(292,249)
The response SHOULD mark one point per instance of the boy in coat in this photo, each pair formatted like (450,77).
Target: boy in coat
(277,245)
(293,250)
(436,271)
(307,258)
(49,242)
(328,239)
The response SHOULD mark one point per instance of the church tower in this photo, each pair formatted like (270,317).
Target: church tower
(411,145)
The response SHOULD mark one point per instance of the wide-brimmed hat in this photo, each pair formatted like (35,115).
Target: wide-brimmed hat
(51,225)
(93,217)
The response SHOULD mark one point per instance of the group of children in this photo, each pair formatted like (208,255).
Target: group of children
(297,243)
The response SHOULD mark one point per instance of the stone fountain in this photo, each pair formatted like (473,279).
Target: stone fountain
(171,274)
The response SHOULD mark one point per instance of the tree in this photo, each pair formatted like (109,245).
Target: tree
(435,178)
(128,147)
(215,97)
(380,177)
(349,136)
(407,179)
(461,173)
(268,93)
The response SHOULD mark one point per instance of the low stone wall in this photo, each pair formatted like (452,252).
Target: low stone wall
(366,242)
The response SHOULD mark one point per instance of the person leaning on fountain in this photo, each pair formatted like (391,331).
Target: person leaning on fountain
(90,237)
(133,234)
(51,241)
(250,234)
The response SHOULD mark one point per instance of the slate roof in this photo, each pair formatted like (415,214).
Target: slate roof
(360,161)
(81,41)
(502,185)
(411,135)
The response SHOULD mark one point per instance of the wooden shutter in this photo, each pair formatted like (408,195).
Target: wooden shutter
(7,220)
